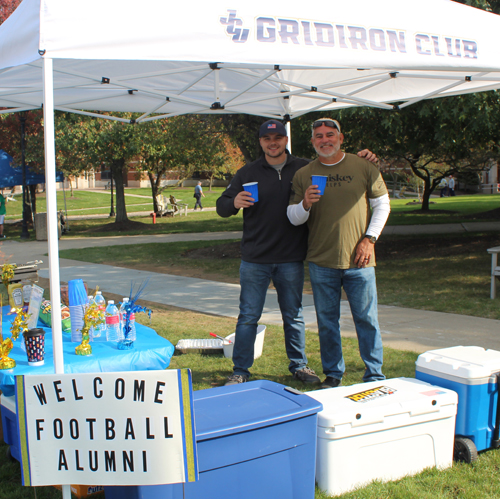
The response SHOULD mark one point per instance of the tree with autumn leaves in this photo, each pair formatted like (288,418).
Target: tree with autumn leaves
(10,127)
(7,7)
(432,139)
(185,144)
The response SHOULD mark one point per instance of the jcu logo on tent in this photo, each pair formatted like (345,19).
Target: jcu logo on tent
(342,36)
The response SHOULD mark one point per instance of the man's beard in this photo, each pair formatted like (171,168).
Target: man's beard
(275,153)
(323,154)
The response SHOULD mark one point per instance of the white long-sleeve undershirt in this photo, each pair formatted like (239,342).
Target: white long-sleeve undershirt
(381,207)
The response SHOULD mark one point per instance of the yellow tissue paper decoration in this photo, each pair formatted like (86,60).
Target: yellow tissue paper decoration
(19,325)
(7,273)
(91,318)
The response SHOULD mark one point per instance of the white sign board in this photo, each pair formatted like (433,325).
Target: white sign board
(129,428)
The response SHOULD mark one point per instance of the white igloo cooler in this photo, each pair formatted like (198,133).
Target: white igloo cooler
(382,430)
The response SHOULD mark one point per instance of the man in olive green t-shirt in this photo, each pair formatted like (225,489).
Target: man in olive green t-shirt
(344,224)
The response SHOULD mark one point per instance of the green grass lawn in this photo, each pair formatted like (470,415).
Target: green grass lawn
(163,256)
(451,275)
(90,202)
(454,281)
(461,208)
(185,194)
(480,480)
(429,278)
(204,221)
(466,208)
(80,203)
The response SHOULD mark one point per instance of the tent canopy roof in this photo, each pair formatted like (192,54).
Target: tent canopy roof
(165,59)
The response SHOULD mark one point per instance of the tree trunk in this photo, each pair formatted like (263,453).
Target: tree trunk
(27,207)
(425,199)
(121,209)
(33,198)
(394,184)
(154,190)
(157,184)
(427,185)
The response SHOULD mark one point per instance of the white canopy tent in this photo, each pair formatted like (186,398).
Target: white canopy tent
(162,58)
(165,58)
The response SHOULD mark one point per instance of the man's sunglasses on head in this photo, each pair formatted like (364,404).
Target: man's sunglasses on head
(328,123)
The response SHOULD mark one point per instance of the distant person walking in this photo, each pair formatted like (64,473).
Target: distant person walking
(451,186)
(3,211)
(443,185)
(198,194)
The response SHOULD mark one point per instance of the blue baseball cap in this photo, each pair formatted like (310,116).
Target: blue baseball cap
(272,126)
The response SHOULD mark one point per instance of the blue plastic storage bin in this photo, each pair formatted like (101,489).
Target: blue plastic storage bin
(255,440)
(9,426)
(473,373)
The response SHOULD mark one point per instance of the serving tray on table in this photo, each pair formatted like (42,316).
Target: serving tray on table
(199,346)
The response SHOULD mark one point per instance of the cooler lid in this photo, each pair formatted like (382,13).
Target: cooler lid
(375,402)
(234,409)
(462,362)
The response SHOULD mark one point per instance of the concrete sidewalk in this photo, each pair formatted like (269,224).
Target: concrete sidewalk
(99,216)
(407,329)
(402,328)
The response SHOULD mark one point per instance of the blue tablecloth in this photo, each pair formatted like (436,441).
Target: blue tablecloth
(150,352)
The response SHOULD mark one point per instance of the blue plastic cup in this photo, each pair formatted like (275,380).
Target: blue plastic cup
(77,297)
(320,181)
(253,189)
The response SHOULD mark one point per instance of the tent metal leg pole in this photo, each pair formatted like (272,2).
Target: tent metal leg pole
(65,206)
(24,232)
(52,226)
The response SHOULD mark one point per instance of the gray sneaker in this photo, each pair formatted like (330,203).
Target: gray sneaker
(306,375)
(236,379)
(331,382)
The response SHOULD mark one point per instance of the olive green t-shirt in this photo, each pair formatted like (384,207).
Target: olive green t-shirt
(338,221)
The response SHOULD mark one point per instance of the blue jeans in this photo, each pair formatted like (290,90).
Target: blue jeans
(361,291)
(288,279)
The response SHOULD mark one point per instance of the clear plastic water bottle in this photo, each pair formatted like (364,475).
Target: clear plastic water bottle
(91,331)
(112,322)
(127,340)
(100,330)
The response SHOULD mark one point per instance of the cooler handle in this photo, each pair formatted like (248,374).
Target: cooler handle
(295,391)
(496,433)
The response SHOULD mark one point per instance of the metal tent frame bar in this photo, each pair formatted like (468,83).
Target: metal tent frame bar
(282,90)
